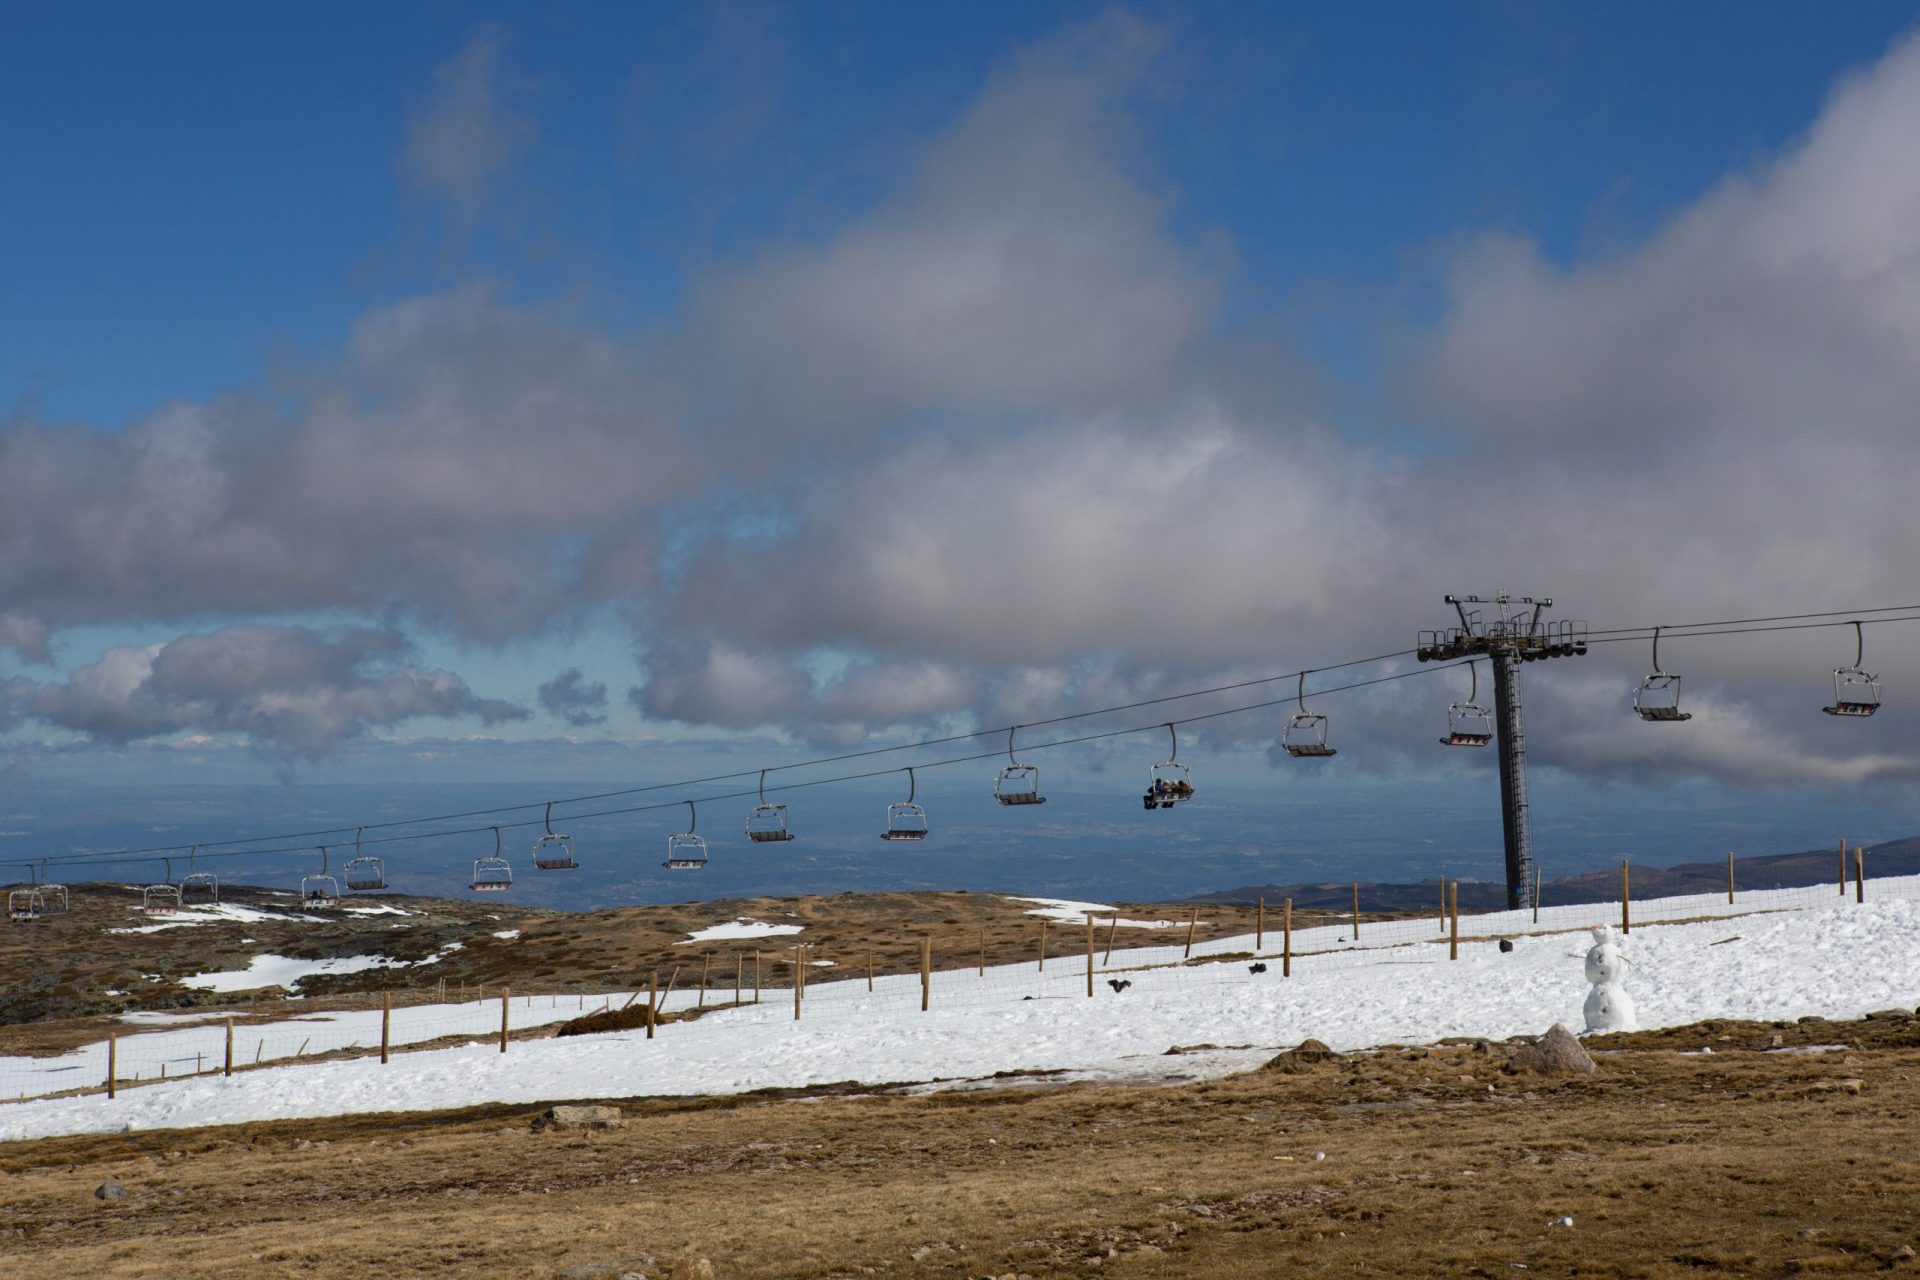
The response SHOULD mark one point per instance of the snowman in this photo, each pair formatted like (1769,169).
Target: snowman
(1609,1007)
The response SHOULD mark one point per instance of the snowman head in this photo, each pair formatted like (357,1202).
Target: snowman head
(1604,961)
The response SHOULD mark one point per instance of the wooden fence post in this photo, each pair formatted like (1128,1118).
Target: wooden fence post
(1192,920)
(983,951)
(706,967)
(113,1065)
(1356,911)
(756,977)
(505,998)
(926,972)
(1859,873)
(1626,897)
(1729,877)
(1260,925)
(1196,914)
(386,1030)
(869,968)
(1536,893)
(1843,868)
(228,1069)
(739,975)
(653,1001)
(1286,946)
(1453,938)
(1043,944)
(1113,927)
(796,982)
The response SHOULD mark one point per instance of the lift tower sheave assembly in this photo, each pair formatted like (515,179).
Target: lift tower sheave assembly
(1515,631)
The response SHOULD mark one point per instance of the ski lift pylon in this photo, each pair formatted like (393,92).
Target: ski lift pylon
(553,851)
(1169,782)
(1468,724)
(1658,697)
(905,819)
(365,873)
(494,874)
(1018,783)
(1306,731)
(687,851)
(768,822)
(1855,692)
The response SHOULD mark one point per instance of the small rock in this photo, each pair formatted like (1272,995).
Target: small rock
(1506,945)
(1903,1254)
(1562,1221)
(1555,1053)
(693,1267)
(1303,1056)
(1807,1233)
(110,1190)
(579,1118)
(301,1144)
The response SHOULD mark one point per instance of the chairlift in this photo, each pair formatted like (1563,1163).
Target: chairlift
(905,819)
(160,899)
(320,890)
(365,873)
(1658,697)
(206,882)
(52,894)
(1169,782)
(24,905)
(492,875)
(1018,783)
(686,851)
(1855,692)
(1468,724)
(1306,731)
(553,851)
(768,822)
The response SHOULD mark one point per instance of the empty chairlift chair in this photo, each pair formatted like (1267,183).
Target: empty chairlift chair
(55,898)
(1855,692)
(160,900)
(1658,697)
(320,890)
(905,819)
(492,875)
(687,851)
(365,873)
(553,851)
(1306,731)
(205,884)
(1169,782)
(767,824)
(1468,724)
(1018,783)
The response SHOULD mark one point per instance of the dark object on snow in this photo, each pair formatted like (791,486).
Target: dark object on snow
(1506,945)
(1556,1053)
(1256,968)
(1118,984)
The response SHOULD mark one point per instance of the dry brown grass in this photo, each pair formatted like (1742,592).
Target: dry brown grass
(1437,1164)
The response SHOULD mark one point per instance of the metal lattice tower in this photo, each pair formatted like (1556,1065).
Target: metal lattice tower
(1520,633)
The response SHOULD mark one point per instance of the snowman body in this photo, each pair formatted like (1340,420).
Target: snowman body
(1608,1007)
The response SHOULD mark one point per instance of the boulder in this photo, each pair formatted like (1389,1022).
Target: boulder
(579,1118)
(1556,1053)
(111,1189)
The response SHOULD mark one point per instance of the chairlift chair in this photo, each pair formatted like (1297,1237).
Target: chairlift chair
(1855,692)
(24,905)
(55,898)
(1018,783)
(1658,697)
(1169,782)
(206,882)
(905,819)
(160,900)
(1468,724)
(364,873)
(494,874)
(686,851)
(1306,731)
(553,851)
(767,823)
(320,890)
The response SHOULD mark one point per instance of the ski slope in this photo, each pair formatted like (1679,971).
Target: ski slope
(1804,953)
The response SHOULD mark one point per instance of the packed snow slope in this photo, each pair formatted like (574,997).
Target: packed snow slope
(1838,961)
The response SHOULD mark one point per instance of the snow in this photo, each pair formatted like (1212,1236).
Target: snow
(222,913)
(740,929)
(1803,953)
(380,909)
(1068,911)
(284,971)
(508,934)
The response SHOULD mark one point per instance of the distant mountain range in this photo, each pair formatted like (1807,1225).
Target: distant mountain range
(1772,871)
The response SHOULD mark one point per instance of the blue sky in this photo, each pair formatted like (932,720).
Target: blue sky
(804,376)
